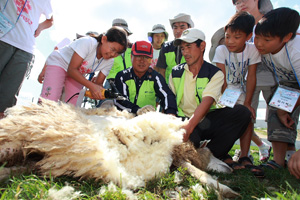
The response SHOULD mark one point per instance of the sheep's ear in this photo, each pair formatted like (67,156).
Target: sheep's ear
(204,143)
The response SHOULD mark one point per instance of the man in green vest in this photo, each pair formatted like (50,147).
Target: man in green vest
(170,55)
(141,85)
(197,85)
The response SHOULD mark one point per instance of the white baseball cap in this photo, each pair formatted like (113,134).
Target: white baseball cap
(182,17)
(190,35)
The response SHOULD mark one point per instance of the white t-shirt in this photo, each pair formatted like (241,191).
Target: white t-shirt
(232,61)
(282,64)
(264,77)
(63,43)
(22,35)
(86,48)
(155,57)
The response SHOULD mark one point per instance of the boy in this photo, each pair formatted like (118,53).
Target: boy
(238,61)
(276,39)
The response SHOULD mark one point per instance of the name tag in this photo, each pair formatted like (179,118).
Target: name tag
(285,98)
(5,25)
(230,97)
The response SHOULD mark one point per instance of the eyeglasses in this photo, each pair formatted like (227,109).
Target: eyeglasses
(113,50)
(139,58)
(238,3)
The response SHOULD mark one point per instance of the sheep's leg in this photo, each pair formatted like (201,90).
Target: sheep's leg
(208,180)
(11,154)
(6,172)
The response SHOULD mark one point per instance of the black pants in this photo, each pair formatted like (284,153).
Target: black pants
(223,127)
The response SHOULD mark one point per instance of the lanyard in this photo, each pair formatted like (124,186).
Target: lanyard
(93,70)
(20,12)
(288,55)
(237,68)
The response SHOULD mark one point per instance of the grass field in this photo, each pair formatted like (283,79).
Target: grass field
(278,184)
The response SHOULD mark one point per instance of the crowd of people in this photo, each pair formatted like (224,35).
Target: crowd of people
(258,50)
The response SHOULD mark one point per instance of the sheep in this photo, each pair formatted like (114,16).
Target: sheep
(102,143)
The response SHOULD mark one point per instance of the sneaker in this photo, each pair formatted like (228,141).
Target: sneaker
(236,156)
(264,152)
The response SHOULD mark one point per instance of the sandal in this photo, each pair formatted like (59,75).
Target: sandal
(257,171)
(233,165)
(271,164)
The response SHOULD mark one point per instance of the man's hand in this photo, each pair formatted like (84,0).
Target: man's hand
(188,131)
(145,109)
(285,118)
(294,164)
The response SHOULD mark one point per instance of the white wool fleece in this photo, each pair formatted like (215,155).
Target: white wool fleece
(112,147)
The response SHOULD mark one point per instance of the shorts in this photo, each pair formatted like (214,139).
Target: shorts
(277,132)
(14,63)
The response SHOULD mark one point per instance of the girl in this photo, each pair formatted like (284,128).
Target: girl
(66,67)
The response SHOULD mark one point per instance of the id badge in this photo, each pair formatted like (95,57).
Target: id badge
(285,98)
(5,25)
(230,97)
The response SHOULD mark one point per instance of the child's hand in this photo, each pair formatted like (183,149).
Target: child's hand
(253,114)
(285,118)
(97,92)
(41,77)
(294,165)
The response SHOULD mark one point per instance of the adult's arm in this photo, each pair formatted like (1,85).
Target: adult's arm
(167,97)
(43,25)
(198,115)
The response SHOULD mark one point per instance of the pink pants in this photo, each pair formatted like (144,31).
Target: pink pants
(56,78)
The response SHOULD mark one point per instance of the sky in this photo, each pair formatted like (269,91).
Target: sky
(74,16)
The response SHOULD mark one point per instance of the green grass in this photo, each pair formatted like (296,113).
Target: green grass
(278,184)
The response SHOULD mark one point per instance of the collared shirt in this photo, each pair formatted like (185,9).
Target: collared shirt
(188,103)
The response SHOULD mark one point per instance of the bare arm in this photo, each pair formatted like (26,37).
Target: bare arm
(198,115)
(44,25)
(250,87)
(42,74)
(100,79)
(73,72)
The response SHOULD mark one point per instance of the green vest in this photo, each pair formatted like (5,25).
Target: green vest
(171,62)
(119,64)
(146,93)
(178,77)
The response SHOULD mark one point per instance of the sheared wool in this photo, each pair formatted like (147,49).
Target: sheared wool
(102,143)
